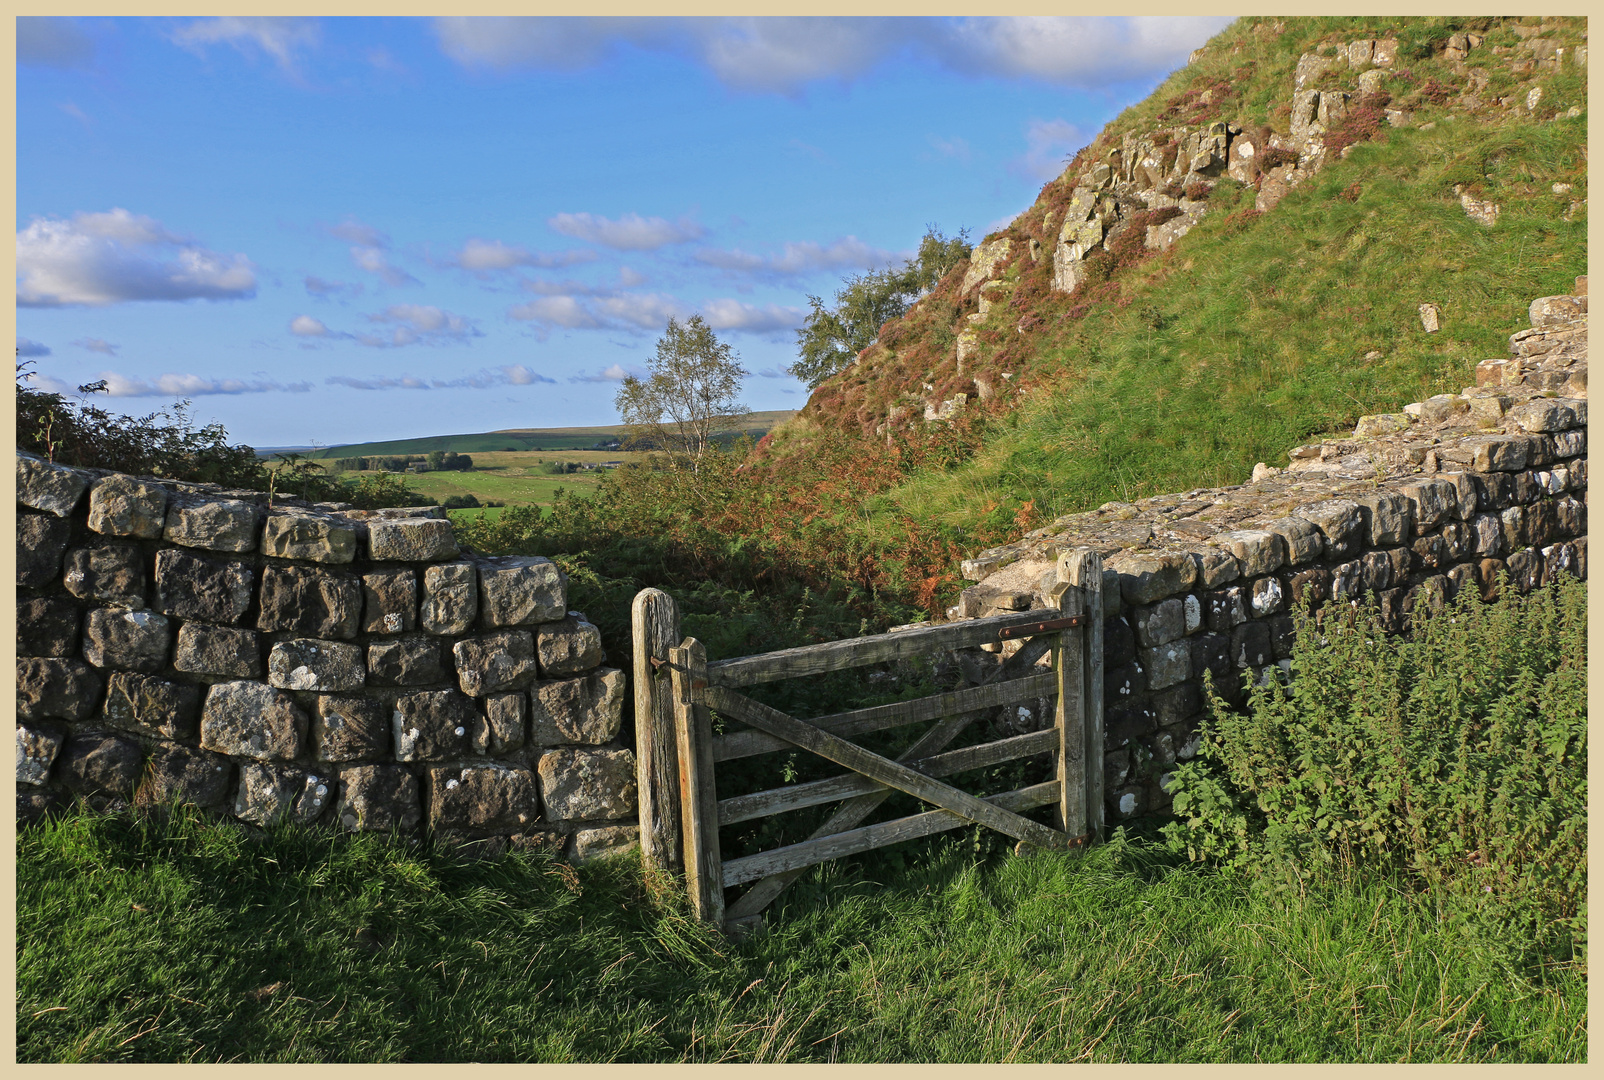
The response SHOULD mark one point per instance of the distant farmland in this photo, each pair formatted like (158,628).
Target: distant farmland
(525,439)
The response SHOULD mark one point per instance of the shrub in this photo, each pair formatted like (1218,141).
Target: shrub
(1456,755)
(460,502)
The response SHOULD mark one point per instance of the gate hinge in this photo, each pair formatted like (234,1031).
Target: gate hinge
(1046,626)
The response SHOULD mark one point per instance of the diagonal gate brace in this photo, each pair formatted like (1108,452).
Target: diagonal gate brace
(859,760)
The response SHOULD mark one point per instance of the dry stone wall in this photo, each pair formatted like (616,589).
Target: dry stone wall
(279,661)
(1412,508)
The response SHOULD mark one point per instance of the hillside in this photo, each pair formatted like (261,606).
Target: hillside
(1235,264)
(516,439)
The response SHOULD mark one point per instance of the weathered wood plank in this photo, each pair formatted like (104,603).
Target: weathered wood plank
(1069,665)
(739,744)
(797,857)
(655,629)
(1086,571)
(855,652)
(795,797)
(850,813)
(704,871)
(890,773)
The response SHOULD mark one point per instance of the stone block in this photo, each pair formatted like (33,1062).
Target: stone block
(408,661)
(1388,517)
(100,765)
(1572,515)
(1543,415)
(583,784)
(226,651)
(55,489)
(152,706)
(1542,523)
(248,719)
(495,663)
(1161,623)
(1513,523)
(1382,424)
(584,710)
(1495,490)
(213,524)
(1568,444)
(508,718)
(1428,553)
(48,687)
(37,748)
(1283,634)
(308,537)
(450,598)
(390,601)
(182,774)
(47,626)
(310,603)
(41,542)
(1257,550)
(1432,502)
(132,640)
(193,586)
(1167,664)
(1505,454)
(1250,645)
(114,574)
(1225,608)
(1266,596)
(1301,538)
(1119,641)
(122,506)
(1460,578)
(271,794)
(35,804)
(1459,541)
(478,799)
(1148,577)
(412,540)
(350,729)
(609,840)
(378,798)
(1161,750)
(1128,802)
(1192,610)
(568,647)
(1347,580)
(1214,568)
(1465,494)
(1340,521)
(1376,571)
(1558,560)
(1177,704)
(312,664)
(1489,529)
(1309,587)
(521,590)
(1125,681)
(1430,595)
(1525,570)
(436,725)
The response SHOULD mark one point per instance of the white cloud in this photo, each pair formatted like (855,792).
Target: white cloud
(611,373)
(280,38)
(599,310)
(375,261)
(418,324)
(774,373)
(97,259)
(306,326)
(628,233)
(355,232)
(1049,144)
(805,257)
(175,385)
(481,256)
(727,314)
(784,54)
(369,251)
(52,41)
(75,112)
(316,286)
(27,348)
(485,378)
(97,345)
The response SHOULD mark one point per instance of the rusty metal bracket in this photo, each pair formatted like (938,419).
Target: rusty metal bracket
(1046,626)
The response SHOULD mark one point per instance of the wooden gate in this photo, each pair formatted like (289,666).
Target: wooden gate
(677,752)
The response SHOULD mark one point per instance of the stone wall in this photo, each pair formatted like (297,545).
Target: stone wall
(1414,507)
(279,661)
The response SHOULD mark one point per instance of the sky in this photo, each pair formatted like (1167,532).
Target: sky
(326,231)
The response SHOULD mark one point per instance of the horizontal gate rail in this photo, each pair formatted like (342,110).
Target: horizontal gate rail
(889,773)
(739,744)
(797,796)
(856,652)
(838,845)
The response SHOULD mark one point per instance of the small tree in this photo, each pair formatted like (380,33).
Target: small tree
(691,389)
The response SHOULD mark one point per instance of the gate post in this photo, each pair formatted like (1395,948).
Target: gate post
(1070,717)
(654,623)
(704,867)
(1080,573)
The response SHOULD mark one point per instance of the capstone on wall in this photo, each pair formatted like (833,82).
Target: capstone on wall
(280,661)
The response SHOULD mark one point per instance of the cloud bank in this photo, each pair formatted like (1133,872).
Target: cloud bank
(628,233)
(98,259)
(172,385)
(485,378)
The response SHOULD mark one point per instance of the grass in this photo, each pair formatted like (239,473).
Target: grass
(189,941)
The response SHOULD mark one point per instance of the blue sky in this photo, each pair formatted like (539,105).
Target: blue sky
(335,230)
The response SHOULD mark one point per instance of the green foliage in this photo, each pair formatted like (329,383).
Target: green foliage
(690,392)
(1457,755)
(831,338)
(164,443)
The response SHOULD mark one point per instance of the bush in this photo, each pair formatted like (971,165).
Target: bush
(1456,756)
(461,502)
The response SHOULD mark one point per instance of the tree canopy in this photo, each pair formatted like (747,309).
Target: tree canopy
(692,386)
(831,338)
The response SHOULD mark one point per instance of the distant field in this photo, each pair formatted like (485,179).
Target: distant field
(512,478)
(523,440)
